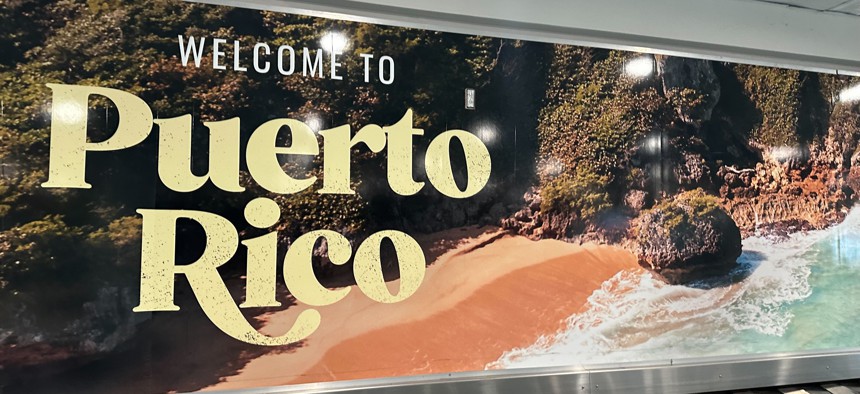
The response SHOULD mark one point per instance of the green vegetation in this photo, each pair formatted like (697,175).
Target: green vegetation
(680,212)
(592,120)
(593,114)
(776,94)
(431,72)
(308,210)
(50,270)
(701,203)
(584,194)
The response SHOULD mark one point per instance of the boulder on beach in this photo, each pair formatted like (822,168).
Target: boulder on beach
(687,239)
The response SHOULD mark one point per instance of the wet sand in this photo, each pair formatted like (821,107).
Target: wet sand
(483,296)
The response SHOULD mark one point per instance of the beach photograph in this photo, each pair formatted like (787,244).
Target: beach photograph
(635,208)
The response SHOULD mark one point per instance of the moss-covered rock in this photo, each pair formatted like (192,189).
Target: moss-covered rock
(688,239)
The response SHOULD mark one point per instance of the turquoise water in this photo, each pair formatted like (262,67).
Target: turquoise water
(830,316)
(789,295)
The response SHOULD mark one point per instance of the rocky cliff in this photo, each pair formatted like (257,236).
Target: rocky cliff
(773,198)
(775,150)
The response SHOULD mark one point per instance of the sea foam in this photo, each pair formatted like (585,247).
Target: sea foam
(635,317)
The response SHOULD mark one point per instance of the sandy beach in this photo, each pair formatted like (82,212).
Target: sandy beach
(484,294)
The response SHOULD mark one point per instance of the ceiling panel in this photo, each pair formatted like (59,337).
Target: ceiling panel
(792,34)
(840,6)
(851,7)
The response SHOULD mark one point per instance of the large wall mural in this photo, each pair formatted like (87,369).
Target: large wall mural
(206,197)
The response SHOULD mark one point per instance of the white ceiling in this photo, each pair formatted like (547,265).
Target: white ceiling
(839,6)
(821,36)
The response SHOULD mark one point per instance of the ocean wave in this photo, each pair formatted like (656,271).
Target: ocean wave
(635,317)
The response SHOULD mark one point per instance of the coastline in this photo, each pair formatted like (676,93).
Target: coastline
(514,287)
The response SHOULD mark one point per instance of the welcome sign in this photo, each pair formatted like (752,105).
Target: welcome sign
(206,197)
(69,148)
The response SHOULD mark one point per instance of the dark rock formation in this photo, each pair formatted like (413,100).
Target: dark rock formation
(530,221)
(779,198)
(691,171)
(839,147)
(104,324)
(691,86)
(688,239)
(635,200)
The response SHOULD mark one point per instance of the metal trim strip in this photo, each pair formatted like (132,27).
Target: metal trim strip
(666,377)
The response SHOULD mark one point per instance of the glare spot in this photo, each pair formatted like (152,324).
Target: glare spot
(551,167)
(783,154)
(69,112)
(850,95)
(653,144)
(487,133)
(334,42)
(639,67)
(315,123)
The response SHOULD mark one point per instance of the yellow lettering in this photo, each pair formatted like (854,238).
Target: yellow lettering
(69,146)
(337,155)
(158,269)
(174,154)
(262,254)
(400,156)
(299,274)
(437,163)
(262,155)
(368,266)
